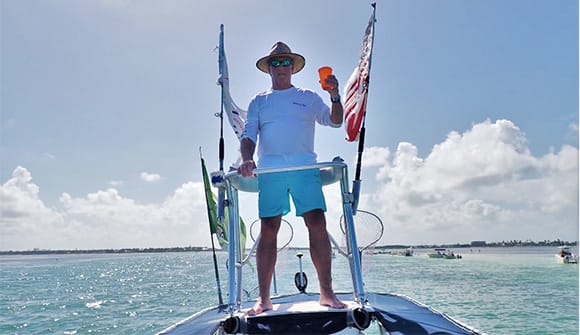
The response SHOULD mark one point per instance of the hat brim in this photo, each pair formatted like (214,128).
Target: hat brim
(297,60)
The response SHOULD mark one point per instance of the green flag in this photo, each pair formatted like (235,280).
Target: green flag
(219,228)
(209,200)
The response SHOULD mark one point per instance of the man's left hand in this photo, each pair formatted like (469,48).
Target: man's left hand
(333,83)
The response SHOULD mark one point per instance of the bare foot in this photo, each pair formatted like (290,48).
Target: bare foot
(260,306)
(332,302)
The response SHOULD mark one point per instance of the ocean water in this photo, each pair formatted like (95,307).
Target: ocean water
(496,290)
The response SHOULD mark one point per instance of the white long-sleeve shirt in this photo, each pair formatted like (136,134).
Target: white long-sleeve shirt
(282,123)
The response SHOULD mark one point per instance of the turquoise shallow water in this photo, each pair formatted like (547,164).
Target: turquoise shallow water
(498,291)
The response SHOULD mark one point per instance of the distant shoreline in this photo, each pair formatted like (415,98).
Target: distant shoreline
(474,244)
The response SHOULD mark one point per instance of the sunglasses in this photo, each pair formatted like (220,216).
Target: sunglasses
(278,62)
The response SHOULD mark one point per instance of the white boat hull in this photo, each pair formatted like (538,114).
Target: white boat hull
(568,259)
(565,256)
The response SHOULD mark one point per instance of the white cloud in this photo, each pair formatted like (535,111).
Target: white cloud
(179,220)
(482,184)
(150,177)
(22,213)
(19,198)
(376,156)
(103,219)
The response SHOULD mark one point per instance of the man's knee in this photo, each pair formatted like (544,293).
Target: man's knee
(315,219)
(269,226)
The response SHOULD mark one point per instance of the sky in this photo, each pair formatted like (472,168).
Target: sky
(471,127)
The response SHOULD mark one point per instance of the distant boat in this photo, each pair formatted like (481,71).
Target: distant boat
(565,256)
(444,253)
(407,252)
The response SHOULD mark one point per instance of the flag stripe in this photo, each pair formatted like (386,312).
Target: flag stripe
(356,89)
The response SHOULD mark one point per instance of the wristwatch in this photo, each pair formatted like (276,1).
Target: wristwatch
(335,99)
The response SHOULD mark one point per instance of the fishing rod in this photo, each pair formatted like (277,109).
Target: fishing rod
(211,215)
(221,190)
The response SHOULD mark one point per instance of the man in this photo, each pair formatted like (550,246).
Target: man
(284,118)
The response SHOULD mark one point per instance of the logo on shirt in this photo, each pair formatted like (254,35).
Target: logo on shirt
(299,104)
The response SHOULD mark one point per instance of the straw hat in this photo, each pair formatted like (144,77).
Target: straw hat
(280,50)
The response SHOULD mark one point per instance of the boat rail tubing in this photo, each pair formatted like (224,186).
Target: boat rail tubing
(331,172)
(234,251)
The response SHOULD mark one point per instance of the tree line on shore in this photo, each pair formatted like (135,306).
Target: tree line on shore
(511,243)
(501,244)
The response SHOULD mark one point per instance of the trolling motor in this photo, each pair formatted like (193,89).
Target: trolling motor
(300,279)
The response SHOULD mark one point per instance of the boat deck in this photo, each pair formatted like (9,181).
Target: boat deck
(301,314)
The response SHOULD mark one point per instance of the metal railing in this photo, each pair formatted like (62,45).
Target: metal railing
(330,172)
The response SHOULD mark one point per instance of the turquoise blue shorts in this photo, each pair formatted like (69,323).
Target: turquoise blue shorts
(275,190)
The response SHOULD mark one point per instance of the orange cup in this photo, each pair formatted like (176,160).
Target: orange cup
(324,72)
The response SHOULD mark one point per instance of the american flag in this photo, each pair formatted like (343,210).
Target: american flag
(356,88)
